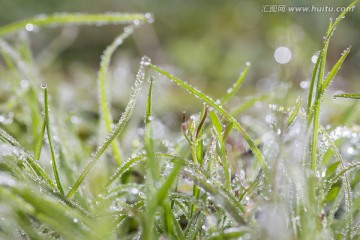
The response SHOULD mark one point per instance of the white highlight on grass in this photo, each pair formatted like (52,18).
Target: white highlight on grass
(282,55)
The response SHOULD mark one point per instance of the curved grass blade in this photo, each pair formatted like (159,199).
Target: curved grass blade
(116,130)
(348,95)
(104,67)
(51,146)
(60,19)
(231,91)
(221,111)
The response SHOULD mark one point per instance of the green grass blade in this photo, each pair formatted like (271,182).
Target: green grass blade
(335,69)
(51,146)
(116,130)
(339,18)
(231,91)
(217,190)
(247,104)
(194,225)
(219,134)
(294,112)
(348,95)
(149,141)
(125,167)
(60,19)
(103,75)
(6,137)
(312,89)
(220,110)
(163,191)
(40,141)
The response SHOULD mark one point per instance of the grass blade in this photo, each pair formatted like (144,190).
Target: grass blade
(60,19)
(294,112)
(104,67)
(231,91)
(348,95)
(51,146)
(335,69)
(116,130)
(40,141)
(247,104)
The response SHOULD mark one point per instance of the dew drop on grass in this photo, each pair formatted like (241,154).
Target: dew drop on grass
(75,220)
(314,58)
(29,27)
(145,61)
(149,17)
(43,85)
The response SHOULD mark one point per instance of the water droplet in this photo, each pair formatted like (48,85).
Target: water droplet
(75,220)
(43,85)
(149,17)
(314,58)
(282,55)
(29,27)
(248,63)
(229,90)
(145,61)
(137,22)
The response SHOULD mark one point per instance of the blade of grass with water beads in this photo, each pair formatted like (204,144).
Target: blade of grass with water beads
(348,95)
(335,69)
(102,77)
(60,19)
(115,132)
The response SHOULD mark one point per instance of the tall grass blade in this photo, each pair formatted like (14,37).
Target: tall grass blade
(103,75)
(115,132)
(51,146)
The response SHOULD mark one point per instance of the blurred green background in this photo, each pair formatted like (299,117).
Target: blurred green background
(205,42)
(207,39)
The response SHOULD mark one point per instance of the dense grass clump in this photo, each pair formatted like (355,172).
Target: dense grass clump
(226,174)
